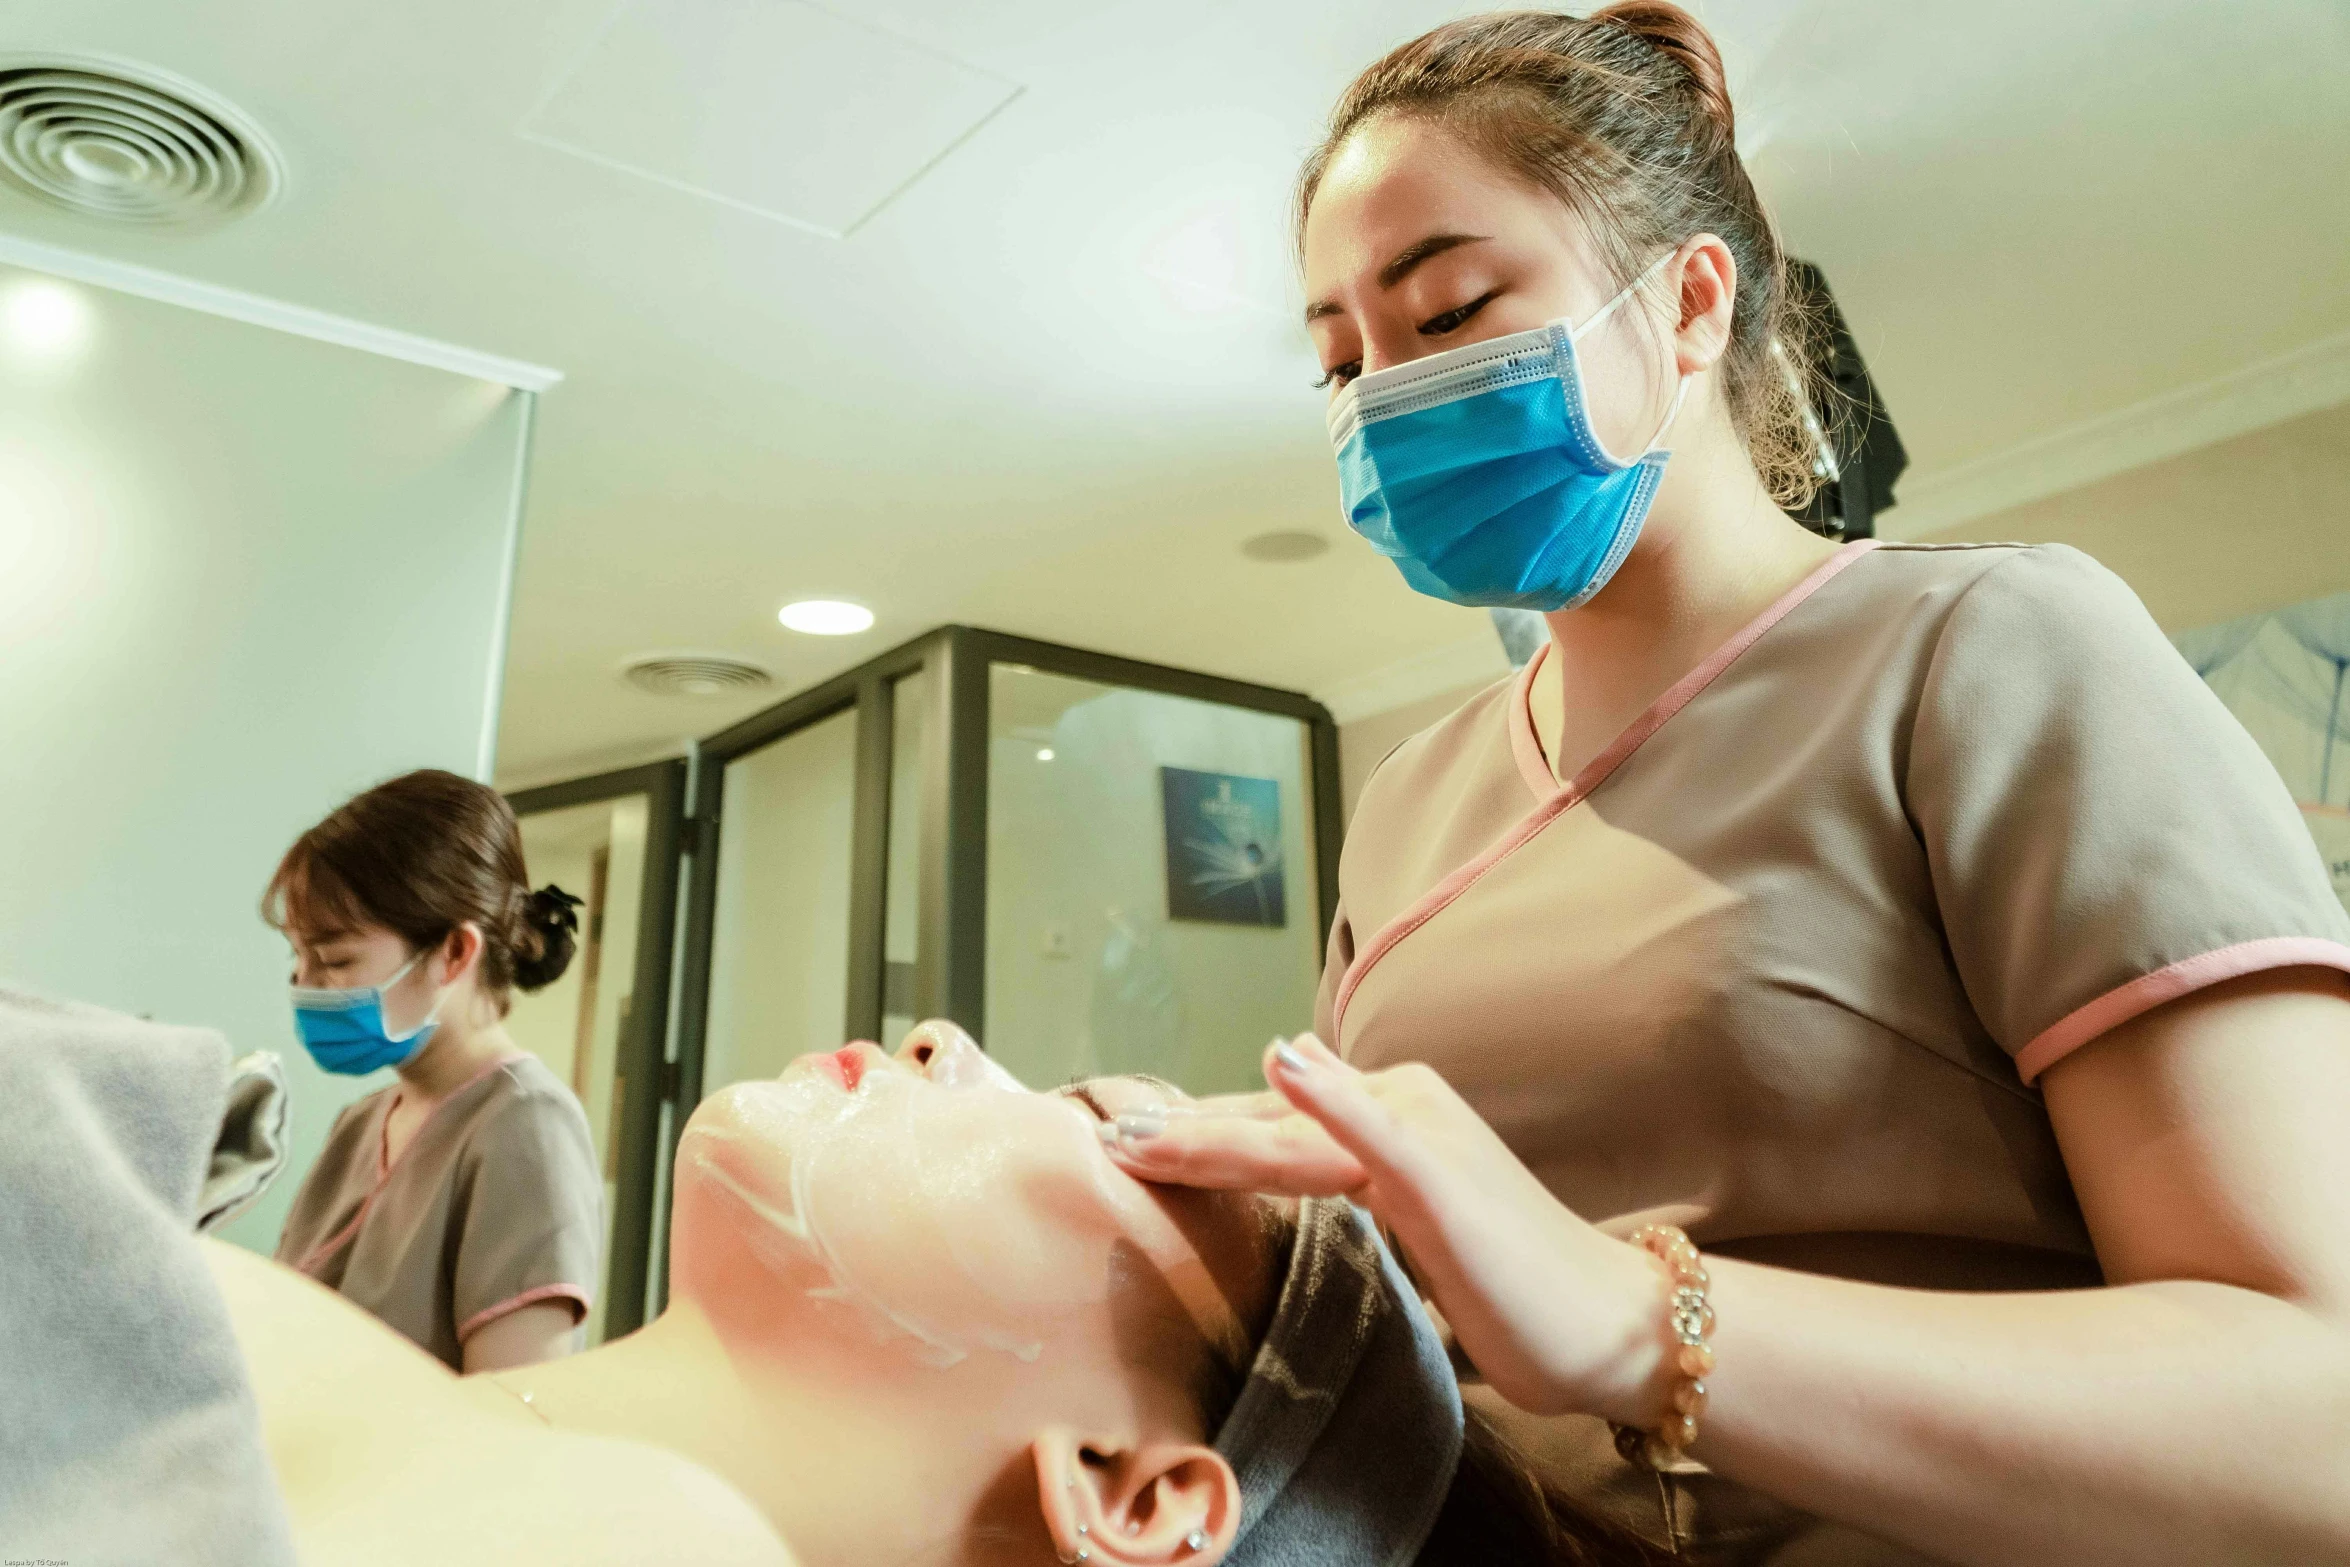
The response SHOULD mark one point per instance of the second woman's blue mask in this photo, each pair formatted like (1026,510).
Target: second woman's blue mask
(1477,471)
(344,1029)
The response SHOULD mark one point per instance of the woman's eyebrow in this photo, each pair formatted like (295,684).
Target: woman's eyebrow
(1413,254)
(1401,267)
(1153,1081)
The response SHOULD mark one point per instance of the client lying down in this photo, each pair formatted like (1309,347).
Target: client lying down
(915,1315)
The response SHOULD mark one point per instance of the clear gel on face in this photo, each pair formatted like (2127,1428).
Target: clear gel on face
(954,1213)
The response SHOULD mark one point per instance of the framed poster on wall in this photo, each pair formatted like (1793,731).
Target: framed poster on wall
(2285,675)
(1223,848)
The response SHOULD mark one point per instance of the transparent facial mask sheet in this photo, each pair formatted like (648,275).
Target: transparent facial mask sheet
(952,1219)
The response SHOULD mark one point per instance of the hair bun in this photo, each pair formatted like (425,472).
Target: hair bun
(553,915)
(1672,31)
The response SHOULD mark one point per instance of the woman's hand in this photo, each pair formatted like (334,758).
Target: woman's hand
(1558,1316)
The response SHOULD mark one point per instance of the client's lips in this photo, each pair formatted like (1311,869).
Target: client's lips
(849,1063)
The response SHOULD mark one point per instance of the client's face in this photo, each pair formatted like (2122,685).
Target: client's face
(946,1283)
(932,1209)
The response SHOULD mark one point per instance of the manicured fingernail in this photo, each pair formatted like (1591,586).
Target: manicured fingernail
(1133,1128)
(1288,1056)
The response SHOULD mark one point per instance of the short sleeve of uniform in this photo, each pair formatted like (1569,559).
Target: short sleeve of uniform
(533,1212)
(2103,835)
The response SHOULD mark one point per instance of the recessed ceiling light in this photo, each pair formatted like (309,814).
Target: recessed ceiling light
(44,318)
(826,617)
(1285,545)
(1044,753)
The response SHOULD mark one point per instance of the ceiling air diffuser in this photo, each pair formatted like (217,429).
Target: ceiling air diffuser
(121,142)
(694,674)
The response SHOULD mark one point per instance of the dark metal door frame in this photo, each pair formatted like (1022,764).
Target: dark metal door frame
(950,976)
(640,1055)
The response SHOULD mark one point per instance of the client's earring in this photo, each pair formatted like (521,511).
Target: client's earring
(1197,1540)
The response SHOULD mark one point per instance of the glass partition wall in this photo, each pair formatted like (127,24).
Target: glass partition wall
(611,841)
(1093,864)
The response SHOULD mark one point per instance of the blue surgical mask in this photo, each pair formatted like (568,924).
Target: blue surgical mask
(1477,471)
(344,1029)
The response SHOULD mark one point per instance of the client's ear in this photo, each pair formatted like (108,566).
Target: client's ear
(1141,1503)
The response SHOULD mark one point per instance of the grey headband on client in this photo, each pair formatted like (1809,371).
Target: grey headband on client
(1347,1432)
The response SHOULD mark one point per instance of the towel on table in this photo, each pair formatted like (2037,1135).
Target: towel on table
(128,1431)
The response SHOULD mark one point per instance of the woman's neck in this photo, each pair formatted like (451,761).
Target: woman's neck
(1715,552)
(460,1049)
(674,1384)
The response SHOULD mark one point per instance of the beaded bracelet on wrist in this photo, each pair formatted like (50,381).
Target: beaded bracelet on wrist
(1692,1321)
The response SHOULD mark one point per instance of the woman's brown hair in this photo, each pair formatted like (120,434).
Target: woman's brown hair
(421,855)
(1625,116)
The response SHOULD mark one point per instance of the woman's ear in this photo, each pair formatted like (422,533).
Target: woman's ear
(1142,1503)
(1708,276)
(460,952)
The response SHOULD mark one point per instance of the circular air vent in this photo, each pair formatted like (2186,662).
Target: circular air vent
(129,144)
(1285,546)
(694,674)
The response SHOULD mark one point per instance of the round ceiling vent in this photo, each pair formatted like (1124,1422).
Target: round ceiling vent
(1284,546)
(122,142)
(694,674)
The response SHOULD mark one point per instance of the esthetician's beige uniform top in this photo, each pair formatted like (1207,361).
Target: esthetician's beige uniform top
(495,1203)
(1781,965)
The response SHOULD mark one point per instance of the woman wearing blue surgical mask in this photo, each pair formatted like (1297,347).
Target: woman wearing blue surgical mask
(1853,1039)
(461,1202)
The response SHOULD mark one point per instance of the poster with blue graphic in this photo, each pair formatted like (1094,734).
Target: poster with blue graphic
(1223,848)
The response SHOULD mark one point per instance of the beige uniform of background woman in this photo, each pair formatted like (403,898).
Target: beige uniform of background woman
(1909,925)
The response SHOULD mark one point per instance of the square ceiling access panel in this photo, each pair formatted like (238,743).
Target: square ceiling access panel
(775,106)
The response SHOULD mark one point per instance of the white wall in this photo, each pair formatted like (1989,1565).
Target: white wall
(243,575)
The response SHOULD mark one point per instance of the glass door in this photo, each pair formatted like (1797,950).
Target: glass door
(1152,886)
(611,841)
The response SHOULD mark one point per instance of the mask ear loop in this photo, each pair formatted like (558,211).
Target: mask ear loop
(1575,335)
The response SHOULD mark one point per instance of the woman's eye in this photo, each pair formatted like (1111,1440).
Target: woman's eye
(1452,320)
(1339,375)
(1083,1094)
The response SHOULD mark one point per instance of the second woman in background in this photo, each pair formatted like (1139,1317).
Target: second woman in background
(460,1203)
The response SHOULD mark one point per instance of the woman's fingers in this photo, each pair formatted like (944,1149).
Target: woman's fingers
(1380,1120)
(1291,1156)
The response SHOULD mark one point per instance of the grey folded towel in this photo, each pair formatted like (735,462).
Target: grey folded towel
(250,1147)
(128,1431)
(1346,1434)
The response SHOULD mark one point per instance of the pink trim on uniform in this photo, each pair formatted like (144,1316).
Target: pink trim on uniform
(1557,801)
(2148,991)
(529,1297)
(383,1172)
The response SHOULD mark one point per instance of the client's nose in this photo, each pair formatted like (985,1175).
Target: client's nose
(944,1053)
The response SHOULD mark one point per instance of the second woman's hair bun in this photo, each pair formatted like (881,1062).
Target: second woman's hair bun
(553,914)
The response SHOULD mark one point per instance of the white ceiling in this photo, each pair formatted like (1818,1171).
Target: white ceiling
(1054,380)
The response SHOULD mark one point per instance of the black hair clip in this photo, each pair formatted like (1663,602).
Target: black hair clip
(555,909)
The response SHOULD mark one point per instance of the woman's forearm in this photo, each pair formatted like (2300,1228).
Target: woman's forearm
(2153,1423)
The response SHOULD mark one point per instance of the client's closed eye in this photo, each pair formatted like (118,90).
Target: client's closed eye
(1084,1095)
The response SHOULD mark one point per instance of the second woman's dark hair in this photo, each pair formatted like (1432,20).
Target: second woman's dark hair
(421,855)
